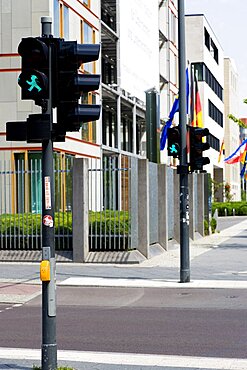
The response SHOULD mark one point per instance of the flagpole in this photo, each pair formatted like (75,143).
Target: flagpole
(183,167)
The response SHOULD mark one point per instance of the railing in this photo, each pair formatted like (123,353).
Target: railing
(21,204)
(109,213)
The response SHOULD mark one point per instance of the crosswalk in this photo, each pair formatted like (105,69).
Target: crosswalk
(152,283)
(130,360)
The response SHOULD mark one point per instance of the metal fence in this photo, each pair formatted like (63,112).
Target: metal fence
(21,204)
(109,211)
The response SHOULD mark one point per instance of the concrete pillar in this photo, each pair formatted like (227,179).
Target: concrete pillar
(191,206)
(200,200)
(219,177)
(80,210)
(162,206)
(143,207)
(176,185)
(134,202)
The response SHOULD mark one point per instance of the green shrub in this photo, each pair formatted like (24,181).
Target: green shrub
(107,222)
(240,208)
(206,227)
(213,224)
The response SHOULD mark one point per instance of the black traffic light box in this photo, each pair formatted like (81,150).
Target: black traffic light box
(34,77)
(35,129)
(64,82)
(173,142)
(71,84)
(197,147)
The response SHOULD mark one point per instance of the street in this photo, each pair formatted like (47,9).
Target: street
(131,311)
(207,323)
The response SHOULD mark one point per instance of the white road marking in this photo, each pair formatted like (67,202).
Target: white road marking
(131,359)
(152,283)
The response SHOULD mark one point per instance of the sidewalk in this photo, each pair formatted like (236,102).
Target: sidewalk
(119,361)
(213,265)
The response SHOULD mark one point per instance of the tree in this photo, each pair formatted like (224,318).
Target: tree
(238,120)
(228,194)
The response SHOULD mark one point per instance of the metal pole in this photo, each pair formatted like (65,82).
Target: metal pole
(49,346)
(183,168)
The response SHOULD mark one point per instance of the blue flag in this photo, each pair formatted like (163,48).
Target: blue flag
(163,137)
(175,109)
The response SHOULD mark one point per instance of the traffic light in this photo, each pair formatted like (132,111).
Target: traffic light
(34,77)
(173,145)
(71,85)
(197,147)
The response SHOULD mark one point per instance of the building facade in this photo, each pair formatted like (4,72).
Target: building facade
(138,52)
(232,132)
(168,61)
(206,58)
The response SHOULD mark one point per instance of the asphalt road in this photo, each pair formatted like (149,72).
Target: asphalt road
(198,322)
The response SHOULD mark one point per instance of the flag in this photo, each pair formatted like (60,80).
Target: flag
(238,154)
(175,109)
(198,106)
(187,90)
(222,151)
(244,161)
(163,137)
(195,104)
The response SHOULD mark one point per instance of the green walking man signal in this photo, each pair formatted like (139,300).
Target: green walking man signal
(173,149)
(33,84)
(173,137)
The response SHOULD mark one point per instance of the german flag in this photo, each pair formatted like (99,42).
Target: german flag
(195,104)
(198,106)
(222,151)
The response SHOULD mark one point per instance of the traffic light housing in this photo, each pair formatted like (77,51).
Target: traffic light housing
(173,142)
(34,77)
(197,147)
(71,85)
(50,72)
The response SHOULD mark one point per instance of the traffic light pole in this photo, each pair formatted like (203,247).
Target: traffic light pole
(49,346)
(183,168)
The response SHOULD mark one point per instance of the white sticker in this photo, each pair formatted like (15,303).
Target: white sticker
(47,192)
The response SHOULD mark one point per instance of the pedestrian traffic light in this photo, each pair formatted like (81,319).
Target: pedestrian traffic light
(34,76)
(173,146)
(71,84)
(197,147)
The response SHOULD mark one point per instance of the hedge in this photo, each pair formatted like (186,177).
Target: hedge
(239,207)
(109,222)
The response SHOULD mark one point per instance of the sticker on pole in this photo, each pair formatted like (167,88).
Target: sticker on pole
(48,220)
(47,192)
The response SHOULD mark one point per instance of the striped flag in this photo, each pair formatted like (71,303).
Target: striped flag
(238,155)
(195,103)
(222,151)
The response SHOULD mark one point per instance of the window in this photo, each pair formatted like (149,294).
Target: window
(211,46)
(56,18)
(214,52)
(108,14)
(88,37)
(63,21)
(173,29)
(28,180)
(109,129)
(215,113)
(204,74)
(88,132)
(206,38)
(86,2)
(213,142)
(27,184)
